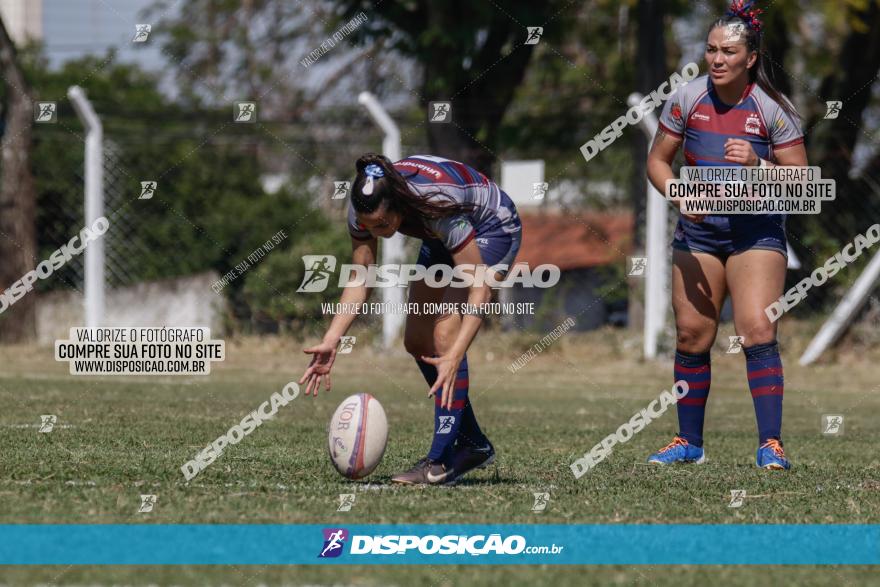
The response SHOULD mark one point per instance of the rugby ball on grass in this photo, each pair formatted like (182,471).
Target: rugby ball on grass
(357,436)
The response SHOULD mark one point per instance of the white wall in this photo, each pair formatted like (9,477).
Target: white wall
(183,301)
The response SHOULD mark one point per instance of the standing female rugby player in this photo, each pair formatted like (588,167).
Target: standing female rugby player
(733,116)
(462,218)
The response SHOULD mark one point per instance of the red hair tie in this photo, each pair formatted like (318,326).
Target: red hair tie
(746,11)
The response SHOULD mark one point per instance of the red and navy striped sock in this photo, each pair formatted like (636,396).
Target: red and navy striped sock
(458,422)
(764,369)
(469,433)
(696,370)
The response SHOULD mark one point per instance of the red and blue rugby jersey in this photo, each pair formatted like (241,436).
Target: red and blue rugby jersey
(696,114)
(439,177)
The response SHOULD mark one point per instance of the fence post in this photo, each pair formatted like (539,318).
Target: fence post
(656,250)
(94,205)
(392,248)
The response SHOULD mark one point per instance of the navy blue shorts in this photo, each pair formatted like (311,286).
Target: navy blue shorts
(725,235)
(498,244)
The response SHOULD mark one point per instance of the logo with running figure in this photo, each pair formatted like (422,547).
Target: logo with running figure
(245,112)
(147,503)
(534,34)
(440,111)
(736,344)
(346,344)
(737,498)
(340,189)
(47,423)
(733,32)
(141,33)
(445,426)
(346,502)
(45,112)
(541,501)
(832,109)
(637,266)
(334,541)
(832,424)
(148,189)
(319,268)
(539,190)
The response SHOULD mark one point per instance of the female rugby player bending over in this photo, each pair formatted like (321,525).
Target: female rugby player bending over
(462,218)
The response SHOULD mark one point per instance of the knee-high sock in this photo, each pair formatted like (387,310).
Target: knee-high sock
(764,368)
(696,370)
(458,423)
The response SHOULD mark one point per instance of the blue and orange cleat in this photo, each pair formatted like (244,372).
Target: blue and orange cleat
(771,456)
(678,451)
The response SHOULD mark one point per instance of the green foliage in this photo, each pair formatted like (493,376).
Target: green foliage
(270,288)
(209,212)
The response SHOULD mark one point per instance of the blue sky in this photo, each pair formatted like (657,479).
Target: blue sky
(73,28)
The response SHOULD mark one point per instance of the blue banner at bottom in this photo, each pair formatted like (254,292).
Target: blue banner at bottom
(489,544)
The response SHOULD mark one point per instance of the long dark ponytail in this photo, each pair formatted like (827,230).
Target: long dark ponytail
(741,12)
(393,191)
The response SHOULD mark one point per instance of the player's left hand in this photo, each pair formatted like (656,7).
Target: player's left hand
(740,151)
(447,366)
(323,355)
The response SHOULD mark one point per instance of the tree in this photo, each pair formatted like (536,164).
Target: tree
(476,62)
(224,50)
(17,195)
(651,71)
(831,143)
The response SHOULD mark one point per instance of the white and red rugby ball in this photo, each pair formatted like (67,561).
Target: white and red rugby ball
(358,435)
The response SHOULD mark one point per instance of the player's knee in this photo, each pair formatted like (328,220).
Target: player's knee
(757,332)
(693,338)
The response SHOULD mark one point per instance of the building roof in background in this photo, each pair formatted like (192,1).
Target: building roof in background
(575,240)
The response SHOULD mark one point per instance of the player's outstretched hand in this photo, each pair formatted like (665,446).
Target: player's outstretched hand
(447,366)
(323,355)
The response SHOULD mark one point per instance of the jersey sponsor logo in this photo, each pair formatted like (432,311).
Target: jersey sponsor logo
(421,167)
(698,116)
(753,124)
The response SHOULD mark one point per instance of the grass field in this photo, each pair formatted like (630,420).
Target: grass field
(118,438)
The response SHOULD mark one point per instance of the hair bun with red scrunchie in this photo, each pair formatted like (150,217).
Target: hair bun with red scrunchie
(747,12)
